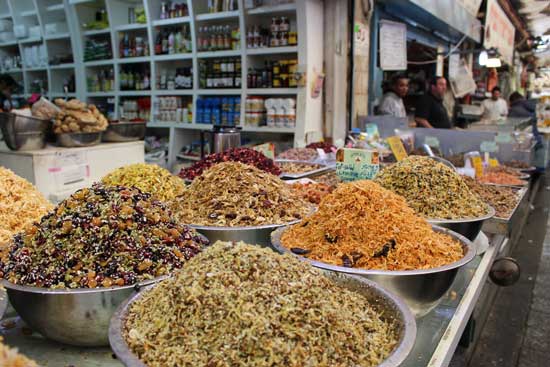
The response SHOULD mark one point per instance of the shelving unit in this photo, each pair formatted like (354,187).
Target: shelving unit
(306,18)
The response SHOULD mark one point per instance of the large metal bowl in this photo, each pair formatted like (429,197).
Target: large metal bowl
(124,131)
(469,228)
(391,307)
(23,132)
(71,316)
(422,290)
(3,302)
(74,140)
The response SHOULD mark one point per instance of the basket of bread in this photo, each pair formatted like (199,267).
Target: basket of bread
(78,124)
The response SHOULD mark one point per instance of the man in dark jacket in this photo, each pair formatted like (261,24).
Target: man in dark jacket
(520,107)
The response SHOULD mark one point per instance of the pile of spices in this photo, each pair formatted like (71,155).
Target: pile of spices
(362,225)
(243,305)
(312,191)
(299,154)
(327,147)
(243,155)
(329,178)
(502,199)
(501,178)
(100,237)
(11,358)
(432,189)
(517,164)
(149,178)
(297,168)
(422,152)
(21,204)
(456,159)
(503,169)
(233,194)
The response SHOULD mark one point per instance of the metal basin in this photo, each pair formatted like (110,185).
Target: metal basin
(3,302)
(124,131)
(421,290)
(74,140)
(22,132)
(389,305)
(71,316)
(469,228)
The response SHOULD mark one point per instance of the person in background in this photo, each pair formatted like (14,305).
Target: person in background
(392,101)
(7,86)
(520,107)
(495,107)
(430,111)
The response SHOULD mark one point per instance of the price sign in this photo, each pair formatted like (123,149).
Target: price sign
(488,147)
(478,166)
(397,147)
(503,138)
(493,162)
(268,149)
(431,141)
(372,130)
(356,164)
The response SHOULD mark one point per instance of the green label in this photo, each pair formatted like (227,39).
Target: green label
(356,164)
(372,130)
(431,141)
(488,146)
(503,138)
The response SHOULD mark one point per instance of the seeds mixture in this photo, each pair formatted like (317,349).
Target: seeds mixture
(432,189)
(242,305)
(238,195)
(362,225)
(149,178)
(299,154)
(20,205)
(502,199)
(294,167)
(100,237)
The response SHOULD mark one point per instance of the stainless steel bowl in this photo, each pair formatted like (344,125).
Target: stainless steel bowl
(389,305)
(73,140)
(71,316)
(22,132)
(124,131)
(421,290)
(3,302)
(469,228)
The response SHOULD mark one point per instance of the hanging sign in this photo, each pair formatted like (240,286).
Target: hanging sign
(397,147)
(356,164)
(499,31)
(493,162)
(393,45)
(372,131)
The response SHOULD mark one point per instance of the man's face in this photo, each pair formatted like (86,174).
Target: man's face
(402,87)
(495,95)
(439,88)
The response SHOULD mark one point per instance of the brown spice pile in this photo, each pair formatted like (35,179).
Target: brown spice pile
(330,178)
(501,178)
(502,199)
(311,191)
(294,167)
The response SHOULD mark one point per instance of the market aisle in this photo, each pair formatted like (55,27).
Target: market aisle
(517,333)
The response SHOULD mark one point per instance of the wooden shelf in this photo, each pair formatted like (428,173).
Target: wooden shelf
(95,32)
(219,15)
(226,53)
(131,27)
(171,21)
(62,66)
(275,9)
(272,50)
(173,57)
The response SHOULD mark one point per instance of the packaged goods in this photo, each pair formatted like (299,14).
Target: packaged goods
(502,199)
(244,155)
(44,109)
(432,189)
(242,305)
(296,168)
(100,237)
(9,357)
(78,117)
(149,178)
(299,154)
(312,191)
(237,195)
(362,225)
(20,205)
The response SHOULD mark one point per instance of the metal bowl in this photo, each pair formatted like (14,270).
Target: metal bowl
(124,131)
(391,307)
(72,140)
(469,228)
(421,290)
(71,316)
(3,302)
(23,132)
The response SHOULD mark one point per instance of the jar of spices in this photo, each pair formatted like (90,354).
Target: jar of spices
(290,118)
(274,25)
(284,25)
(284,81)
(292,38)
(280,117)
(271,117)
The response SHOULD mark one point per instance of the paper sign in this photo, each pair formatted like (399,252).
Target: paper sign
(356,164)
(493,162)
(372,131)
(503,138)
(499,31)
(70,169)
(397,147)
(488,147)
(478,166)
(268,149)
(431,141)
(393,45)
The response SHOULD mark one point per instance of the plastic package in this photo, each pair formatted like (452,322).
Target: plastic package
(44,109)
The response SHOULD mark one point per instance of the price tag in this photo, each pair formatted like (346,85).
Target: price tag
(431,141)
(493,162)
(356,164)
(478,166)
(503,138)
(397,147)
(372,130)
(321,153)
(268,149)
(70,170)
(488,147)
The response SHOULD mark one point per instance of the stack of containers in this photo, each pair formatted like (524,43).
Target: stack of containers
(281,112)
(6,31)
(219,110)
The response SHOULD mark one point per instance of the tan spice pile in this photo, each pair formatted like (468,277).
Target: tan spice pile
(235,194)
(432,189)
(295,167)
(363,225)
(502,199)
(9,357)
(242,305)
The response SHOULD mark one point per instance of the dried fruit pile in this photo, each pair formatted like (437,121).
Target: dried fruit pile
(242,305)
(363,225)
(100,236)
(312,191)
(327,147)
(243,155)
(21,204)
(299,154)
(432,189)
(149,178)
(502,199)
(235,194)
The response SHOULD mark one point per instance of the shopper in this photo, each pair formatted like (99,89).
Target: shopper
(430,111)
(392,101)
(495,107)
(520,107)
(7,86)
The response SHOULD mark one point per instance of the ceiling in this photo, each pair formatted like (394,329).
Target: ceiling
(536,13)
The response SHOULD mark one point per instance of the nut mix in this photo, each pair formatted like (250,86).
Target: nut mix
(297,168)
(243,155)
(243,305)
(299,154)
(502,199)
(312,191)
(149,178)
(237,195)
(100,237)
(432,189)
(78,117)
(362,225)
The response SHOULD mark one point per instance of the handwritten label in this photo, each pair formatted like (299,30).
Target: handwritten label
(478,166)
(503,138)
(431,141)
(268,149)
(372,131)
(488,147)
(356,164)
(397,147)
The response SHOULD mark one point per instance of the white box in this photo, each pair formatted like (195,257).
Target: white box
(20,31)
(6,25)
(55,28)
(7,37)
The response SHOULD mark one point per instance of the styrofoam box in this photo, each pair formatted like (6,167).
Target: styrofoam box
(35,32)
(54,28)
(6,25)
(20,31)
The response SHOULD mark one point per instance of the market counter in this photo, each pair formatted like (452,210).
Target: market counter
(58,172)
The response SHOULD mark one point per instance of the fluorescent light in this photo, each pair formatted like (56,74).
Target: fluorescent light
(493,62)
(482,60)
